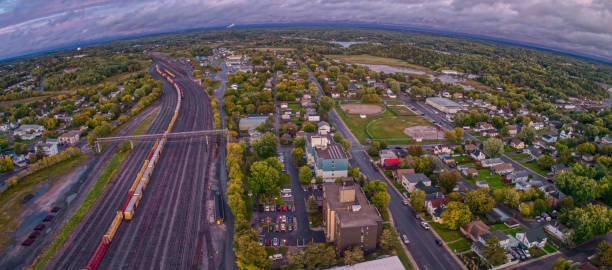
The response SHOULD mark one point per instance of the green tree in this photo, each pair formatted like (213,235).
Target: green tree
(493,147)
(594,219)
(266,146)
(493,252)
(388,240)
(455,215)
(526,209)
(448,180)
(326,103)
(374,186)
(417,200)
(312,206)
(305,175)
(527,135)
(309,127)
(353,255)
(297,153)
(265,179)
(561,264)
(299,142)
(479,200)
(415,150)
(380,199)
(248,251)
(314,256)
(545,162)
(604,253)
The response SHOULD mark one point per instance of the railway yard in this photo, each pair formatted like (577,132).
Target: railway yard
(169,228)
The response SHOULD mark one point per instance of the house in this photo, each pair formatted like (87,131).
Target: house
(4,128)
(488,163)
(435,208)
(533,152)
(532,237)
(350,219)
(397,174)
(284,105)
(441,149)
(335,95)
(503,169)
(323,128)
(587,157)
(606,139)
(489,133)
(558,230)
(536,125)
(47,149)
(566,134)
(549,138)
(411,180)
(470,148)
(480,126)
(557,168)
(470,171)
(326,156)
(477,155)
(517,144)
(516,176)
(313,118)
(23,130)
(388,159)
(482,183)
(69,138)
(504,239)
(457,95)
(474,230)
(512,130)
(523,185)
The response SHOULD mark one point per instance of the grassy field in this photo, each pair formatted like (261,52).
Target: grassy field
(10,103)
(518,157)
(494,180)
(385,126)
(10,200)
(73,222)
(142,127)
(401,110)
(502,227)
(446,234)
(534,166)
(375,60)
(460,246)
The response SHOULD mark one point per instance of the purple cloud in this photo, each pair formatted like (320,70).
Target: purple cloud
(578,26)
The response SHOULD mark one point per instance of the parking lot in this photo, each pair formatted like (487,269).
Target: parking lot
(277,226)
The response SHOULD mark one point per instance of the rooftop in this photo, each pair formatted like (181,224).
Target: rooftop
(443,102)
(331,151)
(416,177)
(364,215)
(388,263)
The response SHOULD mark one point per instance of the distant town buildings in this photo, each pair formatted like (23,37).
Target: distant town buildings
(444,104)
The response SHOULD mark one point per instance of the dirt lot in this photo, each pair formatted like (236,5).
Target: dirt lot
(425,132)
(361,108)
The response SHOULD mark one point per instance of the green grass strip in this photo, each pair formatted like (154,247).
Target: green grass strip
(92,196)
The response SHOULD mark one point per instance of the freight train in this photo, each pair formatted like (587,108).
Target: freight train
(142,179)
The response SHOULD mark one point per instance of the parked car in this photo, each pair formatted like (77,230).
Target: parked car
(55,209)
(283,227)
(261,242)
(254,208)
(290,219)
(284,218)
(439,242)
(27,242)
(261,208)
(267,208)
(48,218)
(289,208)
(40,227)
(284,208)
(270,228)
(278,208)
(405,239)
(268,242)
(425,225)
(276,228)
(290,228)
(276,257)
(405,202)
(275,241)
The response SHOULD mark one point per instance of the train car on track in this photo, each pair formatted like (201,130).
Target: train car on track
(170,73)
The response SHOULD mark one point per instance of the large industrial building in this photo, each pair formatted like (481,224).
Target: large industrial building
(444,105)
(350,219)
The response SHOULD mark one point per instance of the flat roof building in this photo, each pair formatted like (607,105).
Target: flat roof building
(350,219)
(444,105)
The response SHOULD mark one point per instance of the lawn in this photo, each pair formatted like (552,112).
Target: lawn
(375,60)
(494,180)
(549,248)
(446,234)
(460,246)
(534,166)
(536,252)
(142,127)
(462,158)
(518,157)
(401,110)
(294,107)
(502,227)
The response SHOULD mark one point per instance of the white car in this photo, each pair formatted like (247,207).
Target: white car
(425,225)
(405,239)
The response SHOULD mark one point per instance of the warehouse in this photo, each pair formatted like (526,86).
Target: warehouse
(444,105)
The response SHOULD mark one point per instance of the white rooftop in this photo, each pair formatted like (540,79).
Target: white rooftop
(388,263)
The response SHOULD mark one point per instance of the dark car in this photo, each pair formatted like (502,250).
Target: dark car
(261,208)
(268,242)
(55,209)
(34,234)
(27,198)
(254,208)
(278,208)
(439,242)
(289,207)
(48,218)
(27,242)
(40,227)
(270,228)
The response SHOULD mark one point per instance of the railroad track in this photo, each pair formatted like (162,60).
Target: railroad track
(170,230)
(84,240)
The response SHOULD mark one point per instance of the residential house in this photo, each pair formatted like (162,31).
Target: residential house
(47,148)
(558,230)
(470,148)
(516,176)
(504,239)
(482,184)
(480,126)
(587,157)
(503,169)
(397,174)
(566,134)
(549,138)
(457,95)
(388,159)
(442,149)
(606,139)
(474,230)
(536,125)
(477,155)
(557,168)
(532,237)
(435,208)
(489,133)
(350,219)
(24,130)
(488,163)
(411,180)
(533,152)
(470,171)
(512,130)
(323,128)
(284,105)
(517,144)
(69,138)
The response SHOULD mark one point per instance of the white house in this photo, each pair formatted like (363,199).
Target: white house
(25,129)
(536,125)
(324,128)
(68,138)
(477,155)
(47,149)
(532,237)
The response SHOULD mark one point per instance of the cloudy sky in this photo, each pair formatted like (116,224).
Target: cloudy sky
(579,26)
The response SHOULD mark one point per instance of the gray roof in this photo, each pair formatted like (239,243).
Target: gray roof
(518,174)
(416,177)
(501,236)
(492,161)
(366,216)
(322,123)
(444,102)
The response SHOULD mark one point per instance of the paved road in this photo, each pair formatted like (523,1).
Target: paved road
(424,250)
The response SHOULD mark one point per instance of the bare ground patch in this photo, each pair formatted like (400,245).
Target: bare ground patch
(425,132)
(361,108)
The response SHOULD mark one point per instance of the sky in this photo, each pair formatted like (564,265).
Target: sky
(576,26)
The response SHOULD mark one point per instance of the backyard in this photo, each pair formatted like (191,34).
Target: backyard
(533,165)
(494,180)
